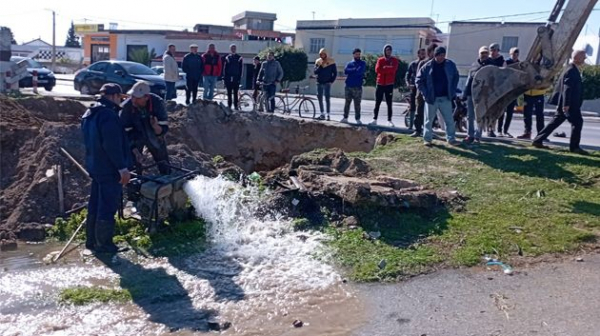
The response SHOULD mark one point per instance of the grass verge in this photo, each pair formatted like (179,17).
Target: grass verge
(522,202)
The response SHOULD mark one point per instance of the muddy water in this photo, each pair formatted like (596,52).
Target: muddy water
(257,274)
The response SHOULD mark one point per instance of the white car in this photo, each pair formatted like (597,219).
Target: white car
(180,84)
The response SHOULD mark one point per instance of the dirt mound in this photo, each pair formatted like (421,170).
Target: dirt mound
(54,109)
(259,141)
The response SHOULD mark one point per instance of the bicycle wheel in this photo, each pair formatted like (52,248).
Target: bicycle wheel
(279,105)
(246,103)
(220,98)
(307,109)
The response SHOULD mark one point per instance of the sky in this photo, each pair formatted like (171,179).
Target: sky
(35,20)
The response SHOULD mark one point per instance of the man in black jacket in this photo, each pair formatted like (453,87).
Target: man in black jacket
(411,75)
(107,160)
(420,102)
(232,74)
(255,72)
(570,88)
(192,66)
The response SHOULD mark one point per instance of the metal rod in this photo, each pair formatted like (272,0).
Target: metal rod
(60,254)
(64,151)
(61,192)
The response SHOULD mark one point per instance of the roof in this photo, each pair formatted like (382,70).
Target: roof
(367,23)
(37,41)
(489,23)
(254,15)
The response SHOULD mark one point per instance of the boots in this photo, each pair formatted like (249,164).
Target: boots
(105,230)
(90,234)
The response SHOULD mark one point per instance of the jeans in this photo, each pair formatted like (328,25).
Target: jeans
(444,105)
(233,87)
(209,87)
(171,93)
(504,125)
(324,89)
(380,92)
(472,130)
(270,90)
(576,120)
(534,104)
(191,89)
(353,94)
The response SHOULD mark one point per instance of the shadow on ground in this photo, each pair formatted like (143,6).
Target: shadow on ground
(586,208)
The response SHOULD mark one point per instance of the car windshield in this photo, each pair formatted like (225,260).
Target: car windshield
(30,63)
(138,69)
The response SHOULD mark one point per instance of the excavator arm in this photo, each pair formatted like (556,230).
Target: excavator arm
(494,88)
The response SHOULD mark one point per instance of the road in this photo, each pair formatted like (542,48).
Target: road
(590,134)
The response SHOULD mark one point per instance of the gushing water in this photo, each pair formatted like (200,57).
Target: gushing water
(256,273)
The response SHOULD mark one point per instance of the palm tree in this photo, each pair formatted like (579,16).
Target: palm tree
(142,56)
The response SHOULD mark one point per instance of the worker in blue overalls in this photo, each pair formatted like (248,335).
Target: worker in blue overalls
(107,159)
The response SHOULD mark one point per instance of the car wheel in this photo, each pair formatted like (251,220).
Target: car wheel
(85,89)
(48,88)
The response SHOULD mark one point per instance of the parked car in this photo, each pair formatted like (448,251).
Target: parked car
(46,77)
(90,80)
(180,84)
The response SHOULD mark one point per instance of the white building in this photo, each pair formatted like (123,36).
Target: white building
(340,37)
(67,59)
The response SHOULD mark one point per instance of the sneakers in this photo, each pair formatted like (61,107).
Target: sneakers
(525,136)
(391,124)
(358,122)
(427,143)
(500,135)
(491,134)
(468,140)
(539,145)
(321,117)
(328,118)
(508,135)
(344,121)
(373,123)
(580,151)
(453,143)
(416,134)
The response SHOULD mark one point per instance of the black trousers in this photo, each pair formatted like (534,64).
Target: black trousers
(233,87)
(504,125)
(191,89)
(534,104)
(576,121)
(420,113)
(413,99)
(380,92)
(160,156)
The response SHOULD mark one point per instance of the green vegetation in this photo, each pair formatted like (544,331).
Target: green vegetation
(218,159)
(85,295)
(520,201)
(371,76)
(591,82)
(293,61)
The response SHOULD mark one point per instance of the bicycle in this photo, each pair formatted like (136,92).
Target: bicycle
(261,104)
(245,100)
(306,106)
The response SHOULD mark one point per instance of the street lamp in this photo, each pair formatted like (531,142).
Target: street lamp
(53,38)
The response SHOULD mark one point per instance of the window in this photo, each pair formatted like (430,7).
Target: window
(347,44)
(403,45)
(100,67)
(114,67)
(374,44)
(509,42)
(316,44)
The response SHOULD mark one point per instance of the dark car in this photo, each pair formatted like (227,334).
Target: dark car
(90,80)
(46,77)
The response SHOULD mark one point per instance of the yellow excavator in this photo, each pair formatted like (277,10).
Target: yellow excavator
(494,88)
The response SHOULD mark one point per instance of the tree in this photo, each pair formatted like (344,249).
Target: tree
(72,39)
(371,76)
(142,56)
(591,82)
(12,35)
(293,61)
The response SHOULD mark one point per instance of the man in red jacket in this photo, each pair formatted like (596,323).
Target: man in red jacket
(212,71)
(386,68)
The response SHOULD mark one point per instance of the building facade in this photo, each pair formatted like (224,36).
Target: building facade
(340,37)
(68,60)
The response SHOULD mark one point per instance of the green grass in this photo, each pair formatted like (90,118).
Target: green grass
(85,295)
(520,201)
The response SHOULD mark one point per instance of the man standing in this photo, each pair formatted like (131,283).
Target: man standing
(510,109)
(385,68)
(496,59)
(355,73)
(232,75)
(570,88)
(270,74)
(255,73)
(145,121)
(438,80)
(106,160)
(171,72)
(534,101)
(411,75)
(473,133)
(420,102)
(192,66)
(326,72)
(212,71)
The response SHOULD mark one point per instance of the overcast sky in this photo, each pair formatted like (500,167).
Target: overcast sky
(35,20)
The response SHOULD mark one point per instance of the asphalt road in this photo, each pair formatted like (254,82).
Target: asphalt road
(590,134)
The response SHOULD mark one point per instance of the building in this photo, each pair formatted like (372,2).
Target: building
(67,59)
(341,36)
(466,37)
(118,44)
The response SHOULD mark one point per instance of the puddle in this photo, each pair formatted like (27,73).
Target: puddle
(257,274)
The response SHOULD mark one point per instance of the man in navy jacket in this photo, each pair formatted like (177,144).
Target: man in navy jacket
(106,159)
(355,73)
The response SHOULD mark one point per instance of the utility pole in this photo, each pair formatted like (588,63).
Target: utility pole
(313,13)
(431,13)
(53,41)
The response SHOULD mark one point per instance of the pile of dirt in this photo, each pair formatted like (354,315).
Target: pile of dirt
(260,141)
